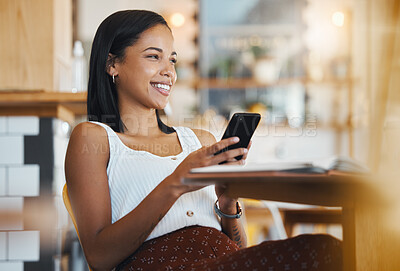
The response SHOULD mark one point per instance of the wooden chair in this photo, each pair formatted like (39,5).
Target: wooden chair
(67,204)
(311,215)
(284,216)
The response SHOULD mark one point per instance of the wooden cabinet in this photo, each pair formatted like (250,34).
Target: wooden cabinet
(36,43)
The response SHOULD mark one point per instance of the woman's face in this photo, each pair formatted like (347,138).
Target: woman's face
(147,73)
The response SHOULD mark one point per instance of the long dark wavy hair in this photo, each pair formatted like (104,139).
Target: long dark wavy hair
(117,32)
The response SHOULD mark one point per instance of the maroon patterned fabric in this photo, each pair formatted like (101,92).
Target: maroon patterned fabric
(207,249)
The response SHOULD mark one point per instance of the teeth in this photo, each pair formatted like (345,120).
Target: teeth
(166,87)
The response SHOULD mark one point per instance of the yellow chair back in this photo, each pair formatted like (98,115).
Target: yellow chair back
(67,204)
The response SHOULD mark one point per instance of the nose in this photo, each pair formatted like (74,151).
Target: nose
(169,71)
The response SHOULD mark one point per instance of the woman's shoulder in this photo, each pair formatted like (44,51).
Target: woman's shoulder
(88,128)
(88,132)
(205,137)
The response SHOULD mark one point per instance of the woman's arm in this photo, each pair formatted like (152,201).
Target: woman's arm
(230,226)
(233,227)
(105,244)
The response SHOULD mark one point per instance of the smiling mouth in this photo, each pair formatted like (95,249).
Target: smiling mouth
(162,88)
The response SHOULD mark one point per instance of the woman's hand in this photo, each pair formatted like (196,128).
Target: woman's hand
(204,157)
(227,204)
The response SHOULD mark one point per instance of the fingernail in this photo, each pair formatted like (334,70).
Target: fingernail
(245,151)
(235,139)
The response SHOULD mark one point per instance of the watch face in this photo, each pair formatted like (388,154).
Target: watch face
(238,209)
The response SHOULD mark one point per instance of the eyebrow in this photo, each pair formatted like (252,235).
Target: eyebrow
(159,50)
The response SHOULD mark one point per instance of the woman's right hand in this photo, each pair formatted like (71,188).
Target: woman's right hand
(204,157)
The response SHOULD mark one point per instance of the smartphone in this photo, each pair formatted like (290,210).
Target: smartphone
(243,126)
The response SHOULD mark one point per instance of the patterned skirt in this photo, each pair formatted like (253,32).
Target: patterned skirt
(202,248)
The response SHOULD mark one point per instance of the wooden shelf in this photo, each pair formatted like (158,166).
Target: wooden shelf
(245,83)
(62,105)
(239,83)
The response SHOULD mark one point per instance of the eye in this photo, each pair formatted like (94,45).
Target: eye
(174,60)
(153,56)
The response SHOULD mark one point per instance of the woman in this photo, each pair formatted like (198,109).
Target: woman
(124,167)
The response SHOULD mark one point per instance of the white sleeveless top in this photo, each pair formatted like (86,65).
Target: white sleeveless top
(133,174)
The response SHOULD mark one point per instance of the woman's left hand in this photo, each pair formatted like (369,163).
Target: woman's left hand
(226,203)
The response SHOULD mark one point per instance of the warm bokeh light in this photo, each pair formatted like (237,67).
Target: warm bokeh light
(177,19)
(338,19)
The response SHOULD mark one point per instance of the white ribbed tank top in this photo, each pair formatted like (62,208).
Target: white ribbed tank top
(133,174)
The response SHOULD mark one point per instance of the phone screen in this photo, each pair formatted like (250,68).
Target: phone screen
(243,126)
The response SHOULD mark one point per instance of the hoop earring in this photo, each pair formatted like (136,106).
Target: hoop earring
(113,76)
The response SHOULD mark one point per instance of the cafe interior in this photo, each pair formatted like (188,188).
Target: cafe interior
(323,74)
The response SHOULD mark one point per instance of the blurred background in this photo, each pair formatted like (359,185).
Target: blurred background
(324,75)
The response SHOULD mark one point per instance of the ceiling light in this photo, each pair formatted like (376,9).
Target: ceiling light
(338,19)
(177,19)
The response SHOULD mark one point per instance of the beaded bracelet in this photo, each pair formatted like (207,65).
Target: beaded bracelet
(221,214)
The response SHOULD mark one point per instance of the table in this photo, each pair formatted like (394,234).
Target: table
(350,191)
